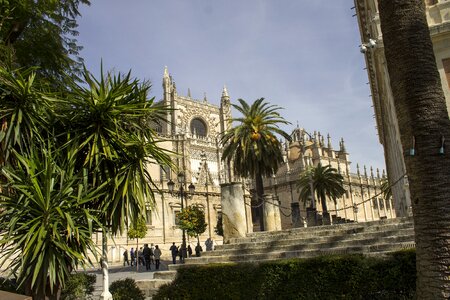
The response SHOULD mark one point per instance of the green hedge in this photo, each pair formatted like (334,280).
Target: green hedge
(326,277)
(126,289)
(79,286)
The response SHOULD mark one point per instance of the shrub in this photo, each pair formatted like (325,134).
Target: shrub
(325,277)
(79,286)
(126,289)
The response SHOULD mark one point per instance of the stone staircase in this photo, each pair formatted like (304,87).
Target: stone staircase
(371,238)
(151,286)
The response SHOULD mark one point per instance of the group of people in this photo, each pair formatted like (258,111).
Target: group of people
(145,256)
(176,251)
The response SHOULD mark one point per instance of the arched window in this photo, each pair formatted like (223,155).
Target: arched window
(198,127)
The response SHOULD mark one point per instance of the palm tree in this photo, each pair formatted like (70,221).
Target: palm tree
(423,116)
(252,147)
(325,182)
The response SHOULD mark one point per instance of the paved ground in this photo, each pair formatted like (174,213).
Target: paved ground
(117,272)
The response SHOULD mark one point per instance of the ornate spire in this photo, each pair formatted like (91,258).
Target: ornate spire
(342,146)
(189,93)
(316,138)
(378,173)
(365,171)
(225,92)
(166,72)
(357,169)
(371,172)
(204,97)
(329,142)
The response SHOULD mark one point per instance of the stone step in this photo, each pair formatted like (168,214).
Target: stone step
(277,255)
(150,286)
(166,275)
(363,241)
(350,235)
(328,230)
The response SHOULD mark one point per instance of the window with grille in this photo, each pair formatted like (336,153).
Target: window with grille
(198,127)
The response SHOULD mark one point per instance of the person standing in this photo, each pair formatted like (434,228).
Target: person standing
(198,250)
(157,253)
(147,255)
(132,256)
(189,250)
(125,258)
(152,254)
(209,244)
(140,257)
(174,251)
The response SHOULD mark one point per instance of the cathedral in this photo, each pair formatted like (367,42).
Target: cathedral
(192,135)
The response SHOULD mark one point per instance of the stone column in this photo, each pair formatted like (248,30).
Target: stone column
(233,211)
(277,204)
(270,214)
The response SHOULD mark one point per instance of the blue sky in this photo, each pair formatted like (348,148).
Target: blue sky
(300,55)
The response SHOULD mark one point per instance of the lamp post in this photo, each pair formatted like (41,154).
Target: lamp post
(171,185)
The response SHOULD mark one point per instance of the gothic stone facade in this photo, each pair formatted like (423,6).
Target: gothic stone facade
(193,136)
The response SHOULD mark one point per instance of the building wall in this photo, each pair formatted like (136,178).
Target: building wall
(438,16)
(363,188)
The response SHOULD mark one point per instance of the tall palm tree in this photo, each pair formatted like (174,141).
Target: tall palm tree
(325,182)
(252,146)
(423,116)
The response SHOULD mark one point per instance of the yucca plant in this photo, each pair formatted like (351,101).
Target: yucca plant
(109,121)
(46,229)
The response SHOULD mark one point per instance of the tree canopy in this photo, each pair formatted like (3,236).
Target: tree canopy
(192,219)
(325,182)
(252,146)
(41,34)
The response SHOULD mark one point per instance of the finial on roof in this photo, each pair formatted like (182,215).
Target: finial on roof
(204,98)
(357,170)
(371,172)
(166,72)
(365,171)
(329,142)
(225,92)
(342,145)
(378,173)
(189,93)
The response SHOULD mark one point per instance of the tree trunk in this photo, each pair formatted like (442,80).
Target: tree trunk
(423,117)
(136,255)
(260,198)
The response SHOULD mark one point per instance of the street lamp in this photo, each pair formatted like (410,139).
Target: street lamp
(171,185)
